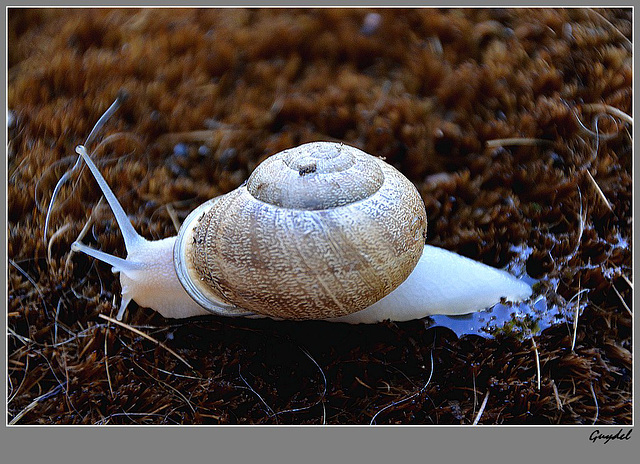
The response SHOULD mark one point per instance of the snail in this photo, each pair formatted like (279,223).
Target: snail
(319,231)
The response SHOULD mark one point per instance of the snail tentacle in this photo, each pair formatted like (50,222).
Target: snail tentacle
(119,264)
(147,275)
(129,234)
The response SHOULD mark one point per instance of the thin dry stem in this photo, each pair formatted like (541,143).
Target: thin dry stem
(598,16)
(26,341)
(363,384)
(55,322)
(595,134)
(35,402)
(599,191)
(535,350)
(322,396)
(395,403)
(517,141)
(435,45)
(595,400)
(65,177)
(197,136)
(84,231)
(148,337)
(171,387)
(575,319)
(174,217)
(475,393)
(556,395)
(622,301)
(106,360)
(15,392)
(582,218)
(30,279)
(609,109)
(270,411)
(54,237)
(482,406)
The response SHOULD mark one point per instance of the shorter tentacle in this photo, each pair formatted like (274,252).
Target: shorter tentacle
(119,264)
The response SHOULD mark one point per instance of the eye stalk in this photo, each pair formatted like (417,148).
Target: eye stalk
(147,275)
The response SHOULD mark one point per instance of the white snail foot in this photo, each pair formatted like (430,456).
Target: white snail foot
(443,283)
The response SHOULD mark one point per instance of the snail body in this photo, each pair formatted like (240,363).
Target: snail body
(319,231)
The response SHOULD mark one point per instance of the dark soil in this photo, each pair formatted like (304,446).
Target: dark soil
(214,92)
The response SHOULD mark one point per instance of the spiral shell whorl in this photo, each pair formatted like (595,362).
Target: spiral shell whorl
(318,175)
(298,247)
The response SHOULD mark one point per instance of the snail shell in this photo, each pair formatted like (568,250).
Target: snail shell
(320,230)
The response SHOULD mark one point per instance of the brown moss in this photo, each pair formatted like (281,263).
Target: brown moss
(214,92)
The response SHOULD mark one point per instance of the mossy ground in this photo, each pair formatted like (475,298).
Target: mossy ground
(214,92)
